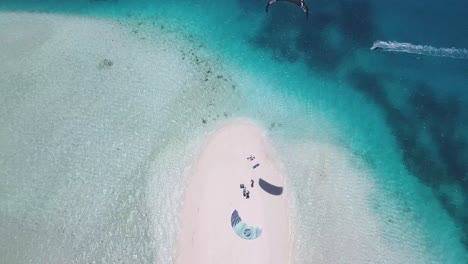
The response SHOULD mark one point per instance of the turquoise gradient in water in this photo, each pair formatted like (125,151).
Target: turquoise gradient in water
(403,118)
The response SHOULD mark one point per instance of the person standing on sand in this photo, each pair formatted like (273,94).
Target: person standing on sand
(251,183)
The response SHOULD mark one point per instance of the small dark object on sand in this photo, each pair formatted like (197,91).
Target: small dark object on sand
(247,195)
(251,183)
(251,158)
(242,186)
(256,165)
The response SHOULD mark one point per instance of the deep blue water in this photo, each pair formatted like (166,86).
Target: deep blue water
(424,100)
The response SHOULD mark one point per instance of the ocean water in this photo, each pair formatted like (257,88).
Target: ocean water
(377,142)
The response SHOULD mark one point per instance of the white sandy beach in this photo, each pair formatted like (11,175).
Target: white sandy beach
(213,193)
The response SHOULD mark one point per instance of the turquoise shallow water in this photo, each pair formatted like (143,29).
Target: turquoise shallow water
(402,117)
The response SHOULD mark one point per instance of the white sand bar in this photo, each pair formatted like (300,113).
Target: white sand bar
(214,192)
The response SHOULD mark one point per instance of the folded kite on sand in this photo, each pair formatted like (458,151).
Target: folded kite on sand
(242,229)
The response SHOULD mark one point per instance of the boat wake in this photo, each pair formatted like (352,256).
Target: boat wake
(394,46)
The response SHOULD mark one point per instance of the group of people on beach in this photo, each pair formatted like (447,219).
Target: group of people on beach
(245,191)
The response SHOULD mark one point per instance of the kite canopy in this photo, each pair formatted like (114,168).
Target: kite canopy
(243,230)
(270,188)
(300,3)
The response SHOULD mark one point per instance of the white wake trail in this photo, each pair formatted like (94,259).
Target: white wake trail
(394,46)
